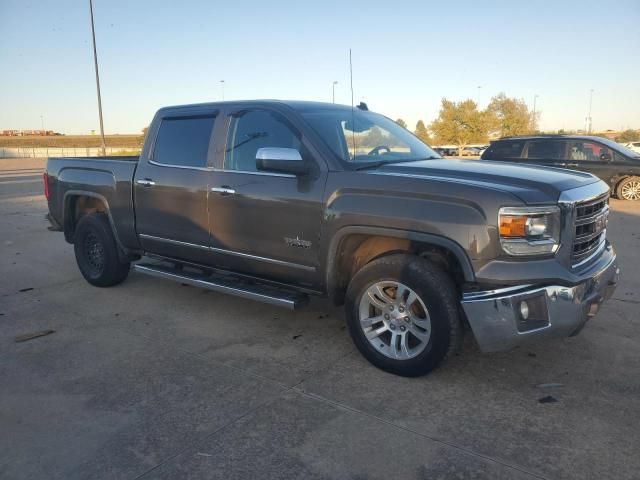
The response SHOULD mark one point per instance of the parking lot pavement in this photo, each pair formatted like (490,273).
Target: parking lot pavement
(152,379)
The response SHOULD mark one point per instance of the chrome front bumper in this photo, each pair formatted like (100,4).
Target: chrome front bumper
(498,324)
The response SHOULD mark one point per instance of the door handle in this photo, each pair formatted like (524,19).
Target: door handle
(572,164)
(559,164)
(224,190)
(146,182)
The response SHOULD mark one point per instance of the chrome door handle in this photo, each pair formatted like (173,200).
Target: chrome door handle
(146,182)
(560,164)
(223,190)
(572,164)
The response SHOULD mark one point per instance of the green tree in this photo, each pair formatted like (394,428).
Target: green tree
(421,132)
(460,124)
(510,116)
(628,136)
(401,122)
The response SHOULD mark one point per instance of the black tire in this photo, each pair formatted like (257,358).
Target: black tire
(624,192)
(435,289)
(97,252)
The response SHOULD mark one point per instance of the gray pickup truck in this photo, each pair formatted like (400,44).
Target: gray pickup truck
(276,201)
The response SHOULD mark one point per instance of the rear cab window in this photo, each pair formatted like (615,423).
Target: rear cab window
(183,141)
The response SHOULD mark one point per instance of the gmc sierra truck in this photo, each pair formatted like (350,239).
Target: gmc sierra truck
(277,201)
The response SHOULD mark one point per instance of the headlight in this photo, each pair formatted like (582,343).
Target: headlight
(529,230)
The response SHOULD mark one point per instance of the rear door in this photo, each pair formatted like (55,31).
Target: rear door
(265,223)
(172,185)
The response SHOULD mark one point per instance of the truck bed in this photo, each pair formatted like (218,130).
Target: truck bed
(109,179)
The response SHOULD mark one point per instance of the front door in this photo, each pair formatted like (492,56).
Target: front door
(263,223)
(171,190)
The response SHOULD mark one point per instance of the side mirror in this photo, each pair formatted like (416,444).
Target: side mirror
(282,160)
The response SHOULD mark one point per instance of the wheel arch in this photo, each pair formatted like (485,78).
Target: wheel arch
(353,247)
(77,203)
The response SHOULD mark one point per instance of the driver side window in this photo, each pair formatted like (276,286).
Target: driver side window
(589,151)
(254,129)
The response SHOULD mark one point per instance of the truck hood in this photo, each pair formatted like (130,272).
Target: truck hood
(530,183)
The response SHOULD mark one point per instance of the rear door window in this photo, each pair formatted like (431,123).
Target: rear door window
(183,141)
(545,150)
(503,150)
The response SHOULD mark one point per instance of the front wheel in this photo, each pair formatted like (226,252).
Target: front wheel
(402,314)
(97,252)
(629,189)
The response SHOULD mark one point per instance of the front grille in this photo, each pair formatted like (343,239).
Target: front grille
(590,228)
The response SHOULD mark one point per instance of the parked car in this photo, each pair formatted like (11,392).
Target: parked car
(635,146)
(275,202)
(470,152)
(612,162)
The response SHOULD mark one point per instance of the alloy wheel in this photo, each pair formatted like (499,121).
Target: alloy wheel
(395,320)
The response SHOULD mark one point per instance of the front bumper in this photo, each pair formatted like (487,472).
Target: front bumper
(558,311)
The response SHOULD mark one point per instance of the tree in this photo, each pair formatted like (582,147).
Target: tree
(401,122)
(510,116)
(142,137)
(628,136)
(421,132)
(460,124)
(374,138)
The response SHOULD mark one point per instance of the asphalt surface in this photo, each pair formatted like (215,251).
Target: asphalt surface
(155,380)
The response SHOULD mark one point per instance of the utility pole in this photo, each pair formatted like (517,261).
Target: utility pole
(478,98)
(222,86)
(535,120)
(333,91)
(42,122)
(589,121)
(95,61)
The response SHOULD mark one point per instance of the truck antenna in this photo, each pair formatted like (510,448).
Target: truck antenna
(353,126)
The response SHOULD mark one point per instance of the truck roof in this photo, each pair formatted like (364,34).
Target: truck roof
(294,104)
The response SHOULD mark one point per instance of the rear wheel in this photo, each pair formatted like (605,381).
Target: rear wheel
(629,189)
(97,252)
(402,314)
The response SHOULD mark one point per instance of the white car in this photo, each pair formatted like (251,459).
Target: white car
(635,146)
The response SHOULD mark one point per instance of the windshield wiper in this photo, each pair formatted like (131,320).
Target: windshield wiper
(367,165)
(379,163)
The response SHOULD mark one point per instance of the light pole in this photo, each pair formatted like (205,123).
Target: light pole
(589,117)
(222,86)
(535,97)
(478,98)
(42,123)
(333,91)
(95,61)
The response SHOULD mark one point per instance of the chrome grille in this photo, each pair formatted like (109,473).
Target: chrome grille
(590,229)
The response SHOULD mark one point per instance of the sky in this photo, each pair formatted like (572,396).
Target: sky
(407,56)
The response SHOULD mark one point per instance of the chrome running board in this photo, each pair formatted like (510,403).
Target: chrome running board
(226,284)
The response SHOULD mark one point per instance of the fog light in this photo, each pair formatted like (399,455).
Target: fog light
(524,310)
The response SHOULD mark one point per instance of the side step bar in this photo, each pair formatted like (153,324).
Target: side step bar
(226,284)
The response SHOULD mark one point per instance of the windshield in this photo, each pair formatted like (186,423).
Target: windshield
(620,148)
(360,137)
